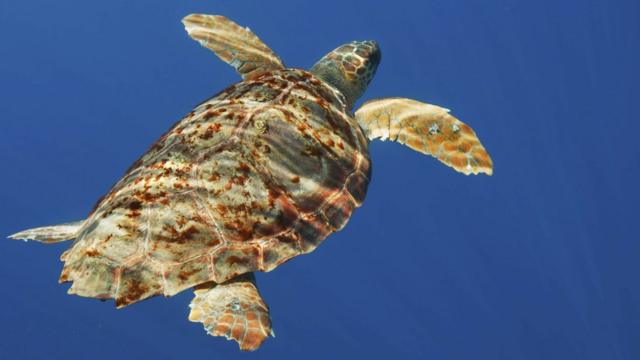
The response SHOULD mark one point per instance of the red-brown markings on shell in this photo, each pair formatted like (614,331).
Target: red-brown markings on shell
(181,230)
(239,200)
(95,277)
(218,195)
(312,230)
(292,155)
(280,248)
(183,275)
(234,259)
(138,282)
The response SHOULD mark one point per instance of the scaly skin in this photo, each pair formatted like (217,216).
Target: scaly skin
(233,44)
(233,309)
(428,129)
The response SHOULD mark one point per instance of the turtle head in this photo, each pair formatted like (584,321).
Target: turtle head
(349,68)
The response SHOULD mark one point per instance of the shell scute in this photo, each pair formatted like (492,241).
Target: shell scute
(312,230)
(240,200)
(97,277)
(218,196)
(298,165)
(114,237)
(279,249)
(357,185)
(235,259)
(183,275)
(180,230)
(338,210)
(331,131)
(137,282)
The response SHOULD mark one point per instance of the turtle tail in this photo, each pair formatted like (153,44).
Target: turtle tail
(50,234)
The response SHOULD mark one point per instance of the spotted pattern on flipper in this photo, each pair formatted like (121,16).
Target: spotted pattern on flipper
(217,196)
(428,129)
(234,44)
(233,309)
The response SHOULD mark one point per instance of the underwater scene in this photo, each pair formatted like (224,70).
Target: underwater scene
(319,180)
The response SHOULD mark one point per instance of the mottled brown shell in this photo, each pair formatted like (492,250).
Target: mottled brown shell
(258,174)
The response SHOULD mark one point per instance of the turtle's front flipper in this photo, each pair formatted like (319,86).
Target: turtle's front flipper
(233,309)
(237,46)
(51,234)
(428,129)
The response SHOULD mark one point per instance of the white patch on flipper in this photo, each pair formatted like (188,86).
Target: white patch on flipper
(434,129)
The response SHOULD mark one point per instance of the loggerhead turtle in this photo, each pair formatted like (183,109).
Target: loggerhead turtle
(260,173)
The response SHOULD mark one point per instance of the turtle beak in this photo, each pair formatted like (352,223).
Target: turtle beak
(370,50)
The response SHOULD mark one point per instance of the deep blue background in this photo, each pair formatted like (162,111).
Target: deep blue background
(539,261)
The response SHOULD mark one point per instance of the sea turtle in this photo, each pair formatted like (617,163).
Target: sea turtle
(261,172)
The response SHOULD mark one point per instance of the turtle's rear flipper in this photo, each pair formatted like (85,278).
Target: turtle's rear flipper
(233,309)
(50,234)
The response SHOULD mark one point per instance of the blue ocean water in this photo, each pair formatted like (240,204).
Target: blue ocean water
(539,261)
